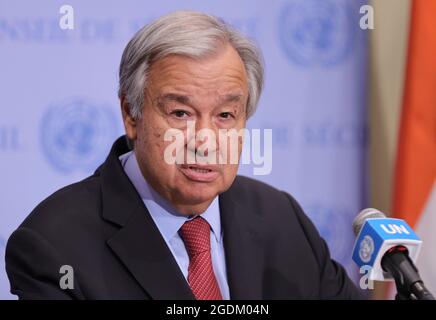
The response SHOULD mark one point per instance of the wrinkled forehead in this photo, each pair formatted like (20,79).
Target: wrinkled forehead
(179,78)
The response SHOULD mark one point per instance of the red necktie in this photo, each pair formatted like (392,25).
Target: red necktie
(201,277)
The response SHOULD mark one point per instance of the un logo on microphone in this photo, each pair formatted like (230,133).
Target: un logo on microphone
(316,32)
(366,249)
(76,135)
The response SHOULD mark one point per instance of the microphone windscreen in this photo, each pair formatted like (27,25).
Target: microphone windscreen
(369,213)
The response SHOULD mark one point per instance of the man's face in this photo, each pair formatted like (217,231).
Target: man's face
(213,93)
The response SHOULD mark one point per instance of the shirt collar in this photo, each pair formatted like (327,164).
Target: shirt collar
(166,217)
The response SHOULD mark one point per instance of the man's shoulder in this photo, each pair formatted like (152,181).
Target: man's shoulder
(260,196)
(277,209)
(246,188)
(66,207)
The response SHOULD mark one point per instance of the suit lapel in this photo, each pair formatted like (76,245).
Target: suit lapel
(138,242)
(143,251)
(243,249)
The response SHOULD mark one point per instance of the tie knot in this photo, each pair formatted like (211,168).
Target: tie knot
(196,236)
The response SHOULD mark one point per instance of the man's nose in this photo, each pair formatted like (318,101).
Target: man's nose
(205,134)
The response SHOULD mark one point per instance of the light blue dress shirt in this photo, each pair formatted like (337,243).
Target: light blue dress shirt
(169,221)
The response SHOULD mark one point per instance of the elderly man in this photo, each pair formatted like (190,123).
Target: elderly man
(143,227)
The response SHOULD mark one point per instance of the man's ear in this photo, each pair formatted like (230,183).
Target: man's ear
(129,121)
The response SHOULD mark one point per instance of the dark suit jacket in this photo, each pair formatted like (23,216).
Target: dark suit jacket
(101,228)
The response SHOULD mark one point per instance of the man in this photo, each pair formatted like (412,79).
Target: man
(146,227)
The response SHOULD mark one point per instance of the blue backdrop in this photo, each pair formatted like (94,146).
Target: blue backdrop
(59,111)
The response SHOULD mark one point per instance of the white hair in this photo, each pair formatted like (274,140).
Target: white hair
(187,33)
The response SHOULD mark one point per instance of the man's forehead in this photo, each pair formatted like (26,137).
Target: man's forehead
(225,66)
(186,99)
(235,96)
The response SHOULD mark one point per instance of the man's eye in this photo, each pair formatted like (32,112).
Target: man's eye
(180,113)
(226,115)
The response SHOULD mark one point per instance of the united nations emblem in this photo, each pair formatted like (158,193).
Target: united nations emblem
(316,31)
(76,135)
(366,249)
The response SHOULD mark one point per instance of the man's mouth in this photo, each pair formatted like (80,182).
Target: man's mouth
(200,173)
(199,169)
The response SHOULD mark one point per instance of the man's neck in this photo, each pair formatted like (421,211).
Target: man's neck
(192,209)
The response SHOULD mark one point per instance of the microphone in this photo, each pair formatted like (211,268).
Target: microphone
(390,248)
